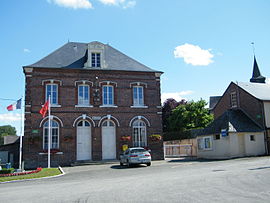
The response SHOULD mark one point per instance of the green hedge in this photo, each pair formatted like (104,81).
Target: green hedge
(6,171)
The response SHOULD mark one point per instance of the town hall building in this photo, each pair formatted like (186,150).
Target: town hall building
(101,102)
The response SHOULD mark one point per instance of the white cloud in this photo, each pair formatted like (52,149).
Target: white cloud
(129,4)
(178,96)
(123,3)
(193,55)
(75,4)
(109,2)
(26,50)
(10,117)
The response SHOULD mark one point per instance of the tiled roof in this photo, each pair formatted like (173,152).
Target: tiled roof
(232,121)
(74,55)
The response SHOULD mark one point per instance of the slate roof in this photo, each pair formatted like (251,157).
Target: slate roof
(213,101)
(258,90)
(232,121)
(74,55)
(256,75)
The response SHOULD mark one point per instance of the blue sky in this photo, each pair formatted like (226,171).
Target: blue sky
(200,45)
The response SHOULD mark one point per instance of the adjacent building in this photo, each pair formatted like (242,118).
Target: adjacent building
(101,102)
(242,120)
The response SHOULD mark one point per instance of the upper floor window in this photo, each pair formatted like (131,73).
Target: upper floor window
(107,95)
(95,59)
(52,90)
(233,99)
(83,95)
(138,96)
(54,135)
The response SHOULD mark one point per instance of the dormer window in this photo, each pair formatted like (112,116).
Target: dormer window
(95,60)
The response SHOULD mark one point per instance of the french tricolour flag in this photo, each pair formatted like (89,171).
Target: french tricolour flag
(16,105)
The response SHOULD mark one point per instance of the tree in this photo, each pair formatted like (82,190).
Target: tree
(6,130)
(192,115)
(168,106)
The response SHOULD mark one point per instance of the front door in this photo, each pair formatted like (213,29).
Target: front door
(108,140)
(84,149)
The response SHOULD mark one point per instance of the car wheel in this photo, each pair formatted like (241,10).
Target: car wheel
(129,164)
(148,164)
(121,164)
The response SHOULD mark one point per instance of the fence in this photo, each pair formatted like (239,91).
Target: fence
(179,150)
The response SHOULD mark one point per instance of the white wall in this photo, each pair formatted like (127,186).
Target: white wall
(267,113)
(256,147)
(234,145)
(220,149)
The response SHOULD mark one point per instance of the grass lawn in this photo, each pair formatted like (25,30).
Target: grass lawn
(45,172)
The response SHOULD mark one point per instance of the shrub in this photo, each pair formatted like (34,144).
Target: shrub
(6,171)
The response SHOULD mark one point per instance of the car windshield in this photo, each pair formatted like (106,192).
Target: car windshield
(133,151)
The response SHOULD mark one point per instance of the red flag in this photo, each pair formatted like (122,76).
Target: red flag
(44,109)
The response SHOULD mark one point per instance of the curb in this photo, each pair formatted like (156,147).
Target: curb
(48,177)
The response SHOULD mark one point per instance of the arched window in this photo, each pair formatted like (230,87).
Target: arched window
(139,134)
(108,123)
(84,123)
(54,135)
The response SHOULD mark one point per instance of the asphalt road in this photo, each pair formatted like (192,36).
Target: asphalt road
(237,180)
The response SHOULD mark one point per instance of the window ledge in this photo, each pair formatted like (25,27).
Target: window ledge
(44,153)
(108,106)
(208,149)
(139,107)
(55,105)
(84,106)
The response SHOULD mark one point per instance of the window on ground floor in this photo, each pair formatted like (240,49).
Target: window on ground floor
(139,134)
(205,143)
(54,135)
(252,137)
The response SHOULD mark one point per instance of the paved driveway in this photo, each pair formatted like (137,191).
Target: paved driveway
(238,180)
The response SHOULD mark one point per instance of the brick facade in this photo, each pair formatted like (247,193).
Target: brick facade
(245,101)
(68,115)
(250,105)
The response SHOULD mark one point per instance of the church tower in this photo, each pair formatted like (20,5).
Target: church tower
(256,76)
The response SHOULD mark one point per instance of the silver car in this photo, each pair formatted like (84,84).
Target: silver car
(135,155)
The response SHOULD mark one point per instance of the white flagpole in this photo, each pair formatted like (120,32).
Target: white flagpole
(49,134)
(21,135)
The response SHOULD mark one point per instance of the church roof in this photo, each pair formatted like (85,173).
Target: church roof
(74,55)
(258,90)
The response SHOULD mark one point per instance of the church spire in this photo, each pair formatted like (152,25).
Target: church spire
(256,76)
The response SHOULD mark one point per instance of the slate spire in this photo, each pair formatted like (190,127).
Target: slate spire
(256,75)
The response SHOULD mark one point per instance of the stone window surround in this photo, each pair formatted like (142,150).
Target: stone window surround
(108,83)
(138,84)
(51,82)
(84,82)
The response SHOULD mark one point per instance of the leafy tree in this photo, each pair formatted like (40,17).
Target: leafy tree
(6,130)
(167,109)
(192,115)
